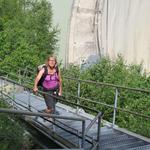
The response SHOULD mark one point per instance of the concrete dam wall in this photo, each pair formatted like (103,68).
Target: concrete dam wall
(108,28)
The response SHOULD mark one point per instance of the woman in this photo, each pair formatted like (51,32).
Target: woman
(52,83)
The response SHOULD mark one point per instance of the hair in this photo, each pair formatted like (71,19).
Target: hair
(52,57)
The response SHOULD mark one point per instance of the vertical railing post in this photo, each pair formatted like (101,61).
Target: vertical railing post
(115,107)
(79,141)
(81,61)
(99,132)
(78,95)
(13,95)
(83,134)
(29,100)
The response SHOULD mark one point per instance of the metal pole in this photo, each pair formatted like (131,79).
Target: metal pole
(99,132)
(83,134)
(21,112)
(115,107)
(78,95)
(29,100)
(13,95)
(79,84)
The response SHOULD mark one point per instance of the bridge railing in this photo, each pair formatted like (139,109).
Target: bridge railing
(18,73)
(114,101)
(23,78)
(21,112)
(9,95)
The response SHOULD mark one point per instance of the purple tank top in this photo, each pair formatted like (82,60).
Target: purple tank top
(51,81)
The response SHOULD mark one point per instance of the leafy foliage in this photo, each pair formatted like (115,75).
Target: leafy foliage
(27,36)
(102,96)
(26,33)
(11,133)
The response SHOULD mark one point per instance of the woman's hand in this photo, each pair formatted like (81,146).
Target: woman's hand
(59,93)
(35,89)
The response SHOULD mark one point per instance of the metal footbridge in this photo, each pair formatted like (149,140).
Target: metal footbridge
(71,126)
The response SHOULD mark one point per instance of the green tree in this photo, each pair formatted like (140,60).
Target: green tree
(26,33)
(115,72)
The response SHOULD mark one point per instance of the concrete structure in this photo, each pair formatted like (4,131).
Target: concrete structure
(110,27)
(82,40)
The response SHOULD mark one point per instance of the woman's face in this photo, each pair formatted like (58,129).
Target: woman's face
(51,61)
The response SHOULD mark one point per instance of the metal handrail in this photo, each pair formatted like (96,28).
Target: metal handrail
(92,123)
(84,130)
(45,115)
(67,101)
(99,118)
(99,83)
(83,134)
(35,109)
(89,100)
(20,78)
(116,87)
(110,106)
(30,107)
(117,108)
(41,92)
(108,85)
(21,112)
(15,75)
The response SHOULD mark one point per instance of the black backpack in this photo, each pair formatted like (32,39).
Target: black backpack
(40,83)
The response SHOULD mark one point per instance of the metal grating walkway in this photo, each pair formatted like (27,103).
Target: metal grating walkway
(67,135)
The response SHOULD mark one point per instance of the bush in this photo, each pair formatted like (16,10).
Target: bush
(117,73)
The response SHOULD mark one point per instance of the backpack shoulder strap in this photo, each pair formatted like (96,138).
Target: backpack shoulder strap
(57,69)
(45,70)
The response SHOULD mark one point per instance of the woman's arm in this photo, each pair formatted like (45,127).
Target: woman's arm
(38,77)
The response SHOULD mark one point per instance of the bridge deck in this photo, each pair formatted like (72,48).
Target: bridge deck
(66,132)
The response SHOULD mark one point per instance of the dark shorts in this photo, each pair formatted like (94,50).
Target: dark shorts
(50,100)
